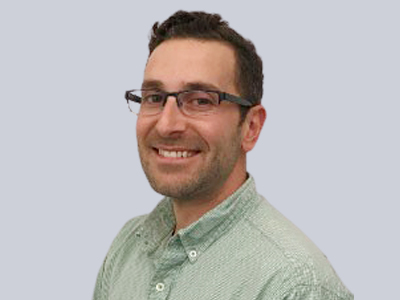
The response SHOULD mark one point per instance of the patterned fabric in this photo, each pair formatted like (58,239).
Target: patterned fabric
(242,249)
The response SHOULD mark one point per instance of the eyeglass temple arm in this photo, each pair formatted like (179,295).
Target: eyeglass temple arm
(235,99)
(130,96)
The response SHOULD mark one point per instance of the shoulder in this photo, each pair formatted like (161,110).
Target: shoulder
(276,231)
(126,231)
(300,266)
(105,273)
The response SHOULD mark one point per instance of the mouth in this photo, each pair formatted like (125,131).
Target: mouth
(176,153)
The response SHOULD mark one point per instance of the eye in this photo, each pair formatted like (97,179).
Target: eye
(153,98)
(202,101)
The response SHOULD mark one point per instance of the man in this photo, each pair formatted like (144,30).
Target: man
(212,236)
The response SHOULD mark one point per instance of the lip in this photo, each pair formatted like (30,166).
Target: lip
(174,148)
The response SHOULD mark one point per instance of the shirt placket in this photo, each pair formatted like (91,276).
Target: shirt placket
(166,270)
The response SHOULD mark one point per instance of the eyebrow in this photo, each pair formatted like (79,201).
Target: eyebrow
(198,85)
(152,84)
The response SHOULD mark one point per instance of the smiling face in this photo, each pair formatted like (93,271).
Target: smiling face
(184,157)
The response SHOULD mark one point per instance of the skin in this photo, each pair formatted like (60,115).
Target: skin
(218,142)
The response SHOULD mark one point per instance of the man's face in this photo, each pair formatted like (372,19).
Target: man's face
(215,160)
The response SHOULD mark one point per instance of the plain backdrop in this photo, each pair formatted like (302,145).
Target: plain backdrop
(70,176)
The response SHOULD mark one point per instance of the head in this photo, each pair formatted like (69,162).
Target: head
(210,27)
(197,158)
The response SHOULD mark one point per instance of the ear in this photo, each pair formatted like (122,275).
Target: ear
(252,126)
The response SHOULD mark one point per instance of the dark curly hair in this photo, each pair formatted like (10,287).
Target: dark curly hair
(204,26)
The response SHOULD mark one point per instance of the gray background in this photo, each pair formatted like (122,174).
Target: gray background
(328,156)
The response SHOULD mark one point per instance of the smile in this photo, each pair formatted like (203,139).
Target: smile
(177,153)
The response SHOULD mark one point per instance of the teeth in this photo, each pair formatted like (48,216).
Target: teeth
(175,154)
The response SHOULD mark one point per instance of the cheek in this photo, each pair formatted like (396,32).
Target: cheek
(142,128)
(221,138)
(138,130)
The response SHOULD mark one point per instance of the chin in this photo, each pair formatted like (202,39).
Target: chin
(174,187)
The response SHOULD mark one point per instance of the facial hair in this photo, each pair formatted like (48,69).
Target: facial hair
(203,182)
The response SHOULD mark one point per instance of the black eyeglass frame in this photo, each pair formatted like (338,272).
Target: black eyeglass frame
(221,96)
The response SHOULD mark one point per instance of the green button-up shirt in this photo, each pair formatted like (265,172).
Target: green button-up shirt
(242,249)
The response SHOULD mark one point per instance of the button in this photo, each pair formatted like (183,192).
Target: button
(160,287)
(192,254)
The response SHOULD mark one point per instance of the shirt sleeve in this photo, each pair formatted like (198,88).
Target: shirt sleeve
(305,292)
(99,292)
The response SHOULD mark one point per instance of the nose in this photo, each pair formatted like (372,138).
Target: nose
(171,122)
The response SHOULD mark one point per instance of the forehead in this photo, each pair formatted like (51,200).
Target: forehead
(178,62)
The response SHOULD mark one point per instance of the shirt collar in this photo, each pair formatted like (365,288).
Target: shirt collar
(201,234)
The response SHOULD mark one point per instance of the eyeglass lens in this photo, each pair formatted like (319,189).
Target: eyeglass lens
(190,102)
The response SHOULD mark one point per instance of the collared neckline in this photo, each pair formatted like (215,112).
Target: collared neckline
(199,235)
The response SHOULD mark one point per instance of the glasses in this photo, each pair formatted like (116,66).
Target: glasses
(148,102)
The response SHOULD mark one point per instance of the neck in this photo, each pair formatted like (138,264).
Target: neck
(189,211)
